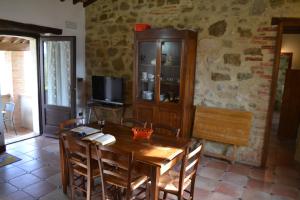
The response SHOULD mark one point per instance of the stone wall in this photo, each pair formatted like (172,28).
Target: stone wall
(234,57)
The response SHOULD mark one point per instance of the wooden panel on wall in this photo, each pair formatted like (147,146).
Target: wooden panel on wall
(168,116)
(144,113)
(222,125)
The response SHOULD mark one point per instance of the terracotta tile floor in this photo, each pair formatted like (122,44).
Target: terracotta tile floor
(37,175)
(22,133)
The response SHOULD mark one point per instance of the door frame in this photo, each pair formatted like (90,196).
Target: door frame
(72,40)
(37,38)
(285,25)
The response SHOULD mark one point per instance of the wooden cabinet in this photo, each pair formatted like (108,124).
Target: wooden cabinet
(164,74)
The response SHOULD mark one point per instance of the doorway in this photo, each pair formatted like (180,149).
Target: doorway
(283,122)
(19,87)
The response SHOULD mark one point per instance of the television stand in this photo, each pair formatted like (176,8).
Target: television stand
(114,109)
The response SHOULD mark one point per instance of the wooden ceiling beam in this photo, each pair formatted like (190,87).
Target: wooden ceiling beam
(7,25)
(88,2)
(76,1)
(85,2)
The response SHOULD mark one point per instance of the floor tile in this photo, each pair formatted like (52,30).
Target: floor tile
(211,173)
(276,197)
(220,196)
(262,174)
(25,148)
(56,194)
(287,171)
(240,169)
(24,158)
(24,180)
(201,193)
(230,189)
(259,185)
(39,189)
(14,152)
(285,191)
(255,195)
(288,181)
(222,165)
(19,195)
(53,148)
(31,165)
(10,173)
(237,179)
(38,153)
(206,183)
(55,179)
(6,189)
(45,172)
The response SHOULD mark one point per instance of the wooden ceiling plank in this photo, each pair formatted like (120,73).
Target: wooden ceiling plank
(14,47)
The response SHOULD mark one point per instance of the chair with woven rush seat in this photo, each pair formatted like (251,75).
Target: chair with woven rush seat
(131,122)
(164,129)
(117,170)
(80,165)
(177,183)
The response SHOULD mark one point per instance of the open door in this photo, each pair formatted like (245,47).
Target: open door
(58,77)
(2,142)
(290,107)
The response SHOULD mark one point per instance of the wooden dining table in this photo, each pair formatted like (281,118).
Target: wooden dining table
(155,156)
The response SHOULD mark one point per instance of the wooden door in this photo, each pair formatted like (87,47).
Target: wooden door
(290,108)
(58,77)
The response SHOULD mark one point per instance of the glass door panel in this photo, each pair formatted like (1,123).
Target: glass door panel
(146,71)
(170,72)
(57,73)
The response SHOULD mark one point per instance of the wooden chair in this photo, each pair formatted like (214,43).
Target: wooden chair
(131,122)
(117,170)
(81,167)
(8,115)
(70,123)
(164,129)
(177,183)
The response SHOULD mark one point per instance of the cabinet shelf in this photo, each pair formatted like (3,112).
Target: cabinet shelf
(147,65)
(172,83)
(171,66)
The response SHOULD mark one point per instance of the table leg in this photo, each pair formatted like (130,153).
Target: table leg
(155,174)
(63,166)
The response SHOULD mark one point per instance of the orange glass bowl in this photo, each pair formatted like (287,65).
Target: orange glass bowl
(144,133)
(141,27)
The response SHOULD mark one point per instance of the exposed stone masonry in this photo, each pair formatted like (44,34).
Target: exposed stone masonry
(234,57)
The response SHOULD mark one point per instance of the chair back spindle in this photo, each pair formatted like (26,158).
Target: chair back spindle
(115,168)
(131,122)
(189,167)
(163,129)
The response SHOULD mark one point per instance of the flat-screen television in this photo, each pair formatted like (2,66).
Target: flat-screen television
(107,89)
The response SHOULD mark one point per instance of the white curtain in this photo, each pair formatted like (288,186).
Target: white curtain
(57,63)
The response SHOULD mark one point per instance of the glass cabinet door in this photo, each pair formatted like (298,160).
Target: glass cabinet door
(146,70)
(170,71)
